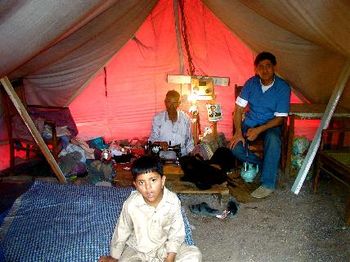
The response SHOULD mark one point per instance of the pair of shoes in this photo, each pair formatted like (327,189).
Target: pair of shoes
(261,192)
(230,211)
(249,172)
(204,209)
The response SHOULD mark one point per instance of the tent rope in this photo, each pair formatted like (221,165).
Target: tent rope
(184,32)
(105,72)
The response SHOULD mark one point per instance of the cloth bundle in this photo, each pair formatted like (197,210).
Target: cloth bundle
(206,173)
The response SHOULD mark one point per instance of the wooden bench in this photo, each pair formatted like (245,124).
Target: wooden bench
(307,112)
(334,160)
(173,174)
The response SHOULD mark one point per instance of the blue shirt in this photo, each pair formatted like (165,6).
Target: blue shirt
(264,106)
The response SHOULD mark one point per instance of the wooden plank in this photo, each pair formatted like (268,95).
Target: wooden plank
(315,111)
(331,106)
(307,112)
(32,128)
(171,169)
(186,79)
(178,186)
(173,174)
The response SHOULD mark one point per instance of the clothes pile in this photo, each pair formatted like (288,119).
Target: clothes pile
(96,160)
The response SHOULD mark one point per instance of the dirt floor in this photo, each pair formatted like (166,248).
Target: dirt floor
(283,227)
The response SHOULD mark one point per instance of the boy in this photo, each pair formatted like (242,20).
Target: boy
(150,226)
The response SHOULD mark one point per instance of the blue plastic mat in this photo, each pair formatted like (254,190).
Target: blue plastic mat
(52,222)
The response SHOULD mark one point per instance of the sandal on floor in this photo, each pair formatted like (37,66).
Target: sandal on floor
(204,209)
(230,210)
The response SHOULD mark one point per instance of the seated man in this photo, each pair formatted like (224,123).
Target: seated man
(268,98)
(172,127)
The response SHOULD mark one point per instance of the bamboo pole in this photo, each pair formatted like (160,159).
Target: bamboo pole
(32,128)
(178,36)
(332,104)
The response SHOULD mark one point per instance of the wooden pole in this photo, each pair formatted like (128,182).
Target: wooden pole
(178,36)
(194,118)
(332,104)
(32,128)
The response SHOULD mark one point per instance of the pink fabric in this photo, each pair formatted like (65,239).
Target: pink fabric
(136,76)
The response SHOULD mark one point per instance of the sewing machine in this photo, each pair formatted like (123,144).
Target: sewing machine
(170,154)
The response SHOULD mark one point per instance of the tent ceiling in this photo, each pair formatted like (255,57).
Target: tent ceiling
(310,20)
(311,39)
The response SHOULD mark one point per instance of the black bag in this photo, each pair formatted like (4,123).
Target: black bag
(202,172)
(224,158)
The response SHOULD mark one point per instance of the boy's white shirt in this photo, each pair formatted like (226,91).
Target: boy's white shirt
(147,229)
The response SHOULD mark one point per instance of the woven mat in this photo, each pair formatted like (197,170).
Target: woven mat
(53,222)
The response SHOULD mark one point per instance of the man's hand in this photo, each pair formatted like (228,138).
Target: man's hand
(237,137)
(252,133)
(170,257)
(107,259)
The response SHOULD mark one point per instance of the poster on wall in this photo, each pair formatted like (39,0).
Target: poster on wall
(214,112)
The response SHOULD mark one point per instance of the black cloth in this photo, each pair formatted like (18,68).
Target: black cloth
(202,172)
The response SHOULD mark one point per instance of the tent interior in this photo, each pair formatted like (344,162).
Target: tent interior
(109,60)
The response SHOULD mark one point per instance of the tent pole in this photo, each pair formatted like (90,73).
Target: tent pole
(32,128)
(178,36)
(195,118)
(332,104)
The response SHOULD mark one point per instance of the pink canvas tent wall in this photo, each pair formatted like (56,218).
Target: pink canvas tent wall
(137,75)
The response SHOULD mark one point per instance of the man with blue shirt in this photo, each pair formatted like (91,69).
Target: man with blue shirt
(268,97)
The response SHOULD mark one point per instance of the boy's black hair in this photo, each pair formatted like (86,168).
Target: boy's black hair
(263,56)
(146,164)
